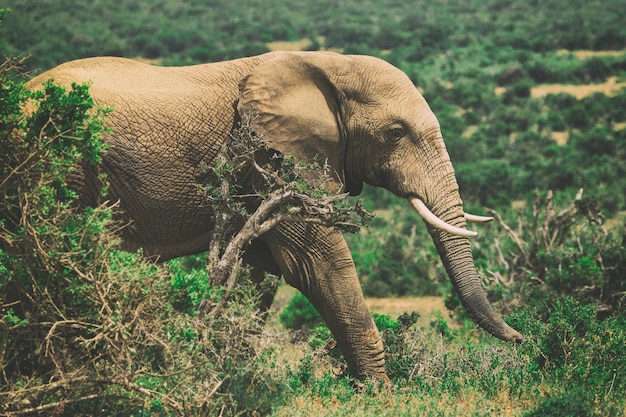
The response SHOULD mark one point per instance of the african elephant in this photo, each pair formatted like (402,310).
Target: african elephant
(362,114)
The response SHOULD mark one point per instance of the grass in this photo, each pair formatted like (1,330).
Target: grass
(611,87)
(443,368)
(427,307)
(449,379)
(300,45)
(569,365)
(584,54)
(404,403)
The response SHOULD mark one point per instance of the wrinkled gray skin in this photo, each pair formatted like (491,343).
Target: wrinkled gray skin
(361,113)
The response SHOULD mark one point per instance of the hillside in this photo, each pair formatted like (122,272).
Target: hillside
(512,83)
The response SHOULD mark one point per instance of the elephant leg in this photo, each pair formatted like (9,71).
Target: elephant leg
(259,257)
(316,260)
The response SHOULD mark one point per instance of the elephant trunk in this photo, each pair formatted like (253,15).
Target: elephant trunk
(454,249)
(457,258)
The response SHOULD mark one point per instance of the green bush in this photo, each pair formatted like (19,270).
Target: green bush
(556,248)
(571,347)
(400,354)
(406,268)
(573,403)
(189,282)
(88,329)
(595,69)
(300,313)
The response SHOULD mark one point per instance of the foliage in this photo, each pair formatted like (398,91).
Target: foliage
(279,189)
(481,65)
(86,328)
(569,364)
(407,265)
(553,252)
(191,31)
(300,313)
(571,347)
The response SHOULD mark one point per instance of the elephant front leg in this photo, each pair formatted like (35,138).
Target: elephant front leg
(316,260)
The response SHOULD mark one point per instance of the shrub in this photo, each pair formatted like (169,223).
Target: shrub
(560,251)
(88,329)
(401,354)
(300,313)
(518,90)
(570,347)
(406,269)
(595,69)
(573,403)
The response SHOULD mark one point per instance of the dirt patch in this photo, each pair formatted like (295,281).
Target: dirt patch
(560,138)
(471,129)
(583,54)
(148,61)
(611,87)
(618,220)
(300,45)
(427,307)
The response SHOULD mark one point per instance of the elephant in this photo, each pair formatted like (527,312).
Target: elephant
(362,114)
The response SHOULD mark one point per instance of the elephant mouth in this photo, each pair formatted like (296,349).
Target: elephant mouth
(430,218)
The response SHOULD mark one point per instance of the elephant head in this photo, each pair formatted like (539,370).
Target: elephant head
(373,126)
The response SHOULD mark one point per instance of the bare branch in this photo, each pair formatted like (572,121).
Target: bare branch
(514,235)
(280,195)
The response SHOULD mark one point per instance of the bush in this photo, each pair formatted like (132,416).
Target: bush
(571,347)
(88,329)
(595,69)
(518,90)
(560,250)
(299,314)
(573,403)
(406,269)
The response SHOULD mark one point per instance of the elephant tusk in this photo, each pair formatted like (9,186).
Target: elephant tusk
(436,222)
(472,218)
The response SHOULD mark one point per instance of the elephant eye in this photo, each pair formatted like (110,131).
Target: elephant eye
(395,133)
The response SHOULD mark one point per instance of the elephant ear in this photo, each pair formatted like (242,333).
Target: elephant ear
(296,108)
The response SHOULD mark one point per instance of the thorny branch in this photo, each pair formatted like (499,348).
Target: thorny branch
(284,196)
(546,231)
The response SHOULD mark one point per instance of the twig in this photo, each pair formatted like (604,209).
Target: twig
(511,232)
(45,407)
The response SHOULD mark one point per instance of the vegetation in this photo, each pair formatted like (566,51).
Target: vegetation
(88,329)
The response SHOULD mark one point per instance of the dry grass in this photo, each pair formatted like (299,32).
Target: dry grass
(560,138)
(407,402)
(518,204)
(469,131)
(611,87)
(289,46)
(584,54)
(300,45)
(394,307)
